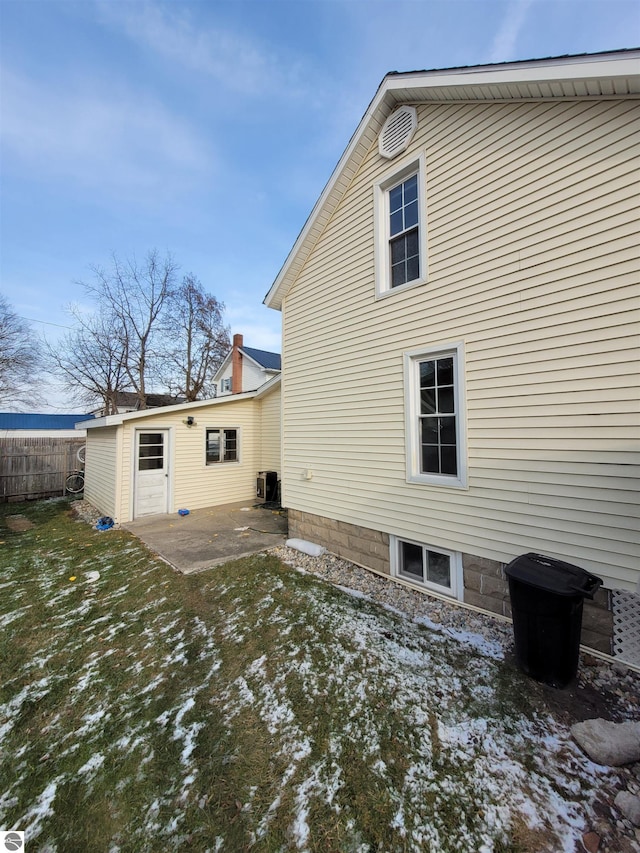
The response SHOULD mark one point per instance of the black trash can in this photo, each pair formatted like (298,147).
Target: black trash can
(546,606)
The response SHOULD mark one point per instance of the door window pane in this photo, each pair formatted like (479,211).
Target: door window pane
(151,438)
(150,451)
(150,464)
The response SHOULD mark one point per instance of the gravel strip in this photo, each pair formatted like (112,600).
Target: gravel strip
(84,511)
(489,632)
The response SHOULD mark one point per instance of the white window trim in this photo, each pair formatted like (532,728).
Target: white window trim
(412,412)
(215,465)
(401,171)
(455,557)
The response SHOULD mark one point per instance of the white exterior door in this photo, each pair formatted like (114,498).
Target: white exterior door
(151,473)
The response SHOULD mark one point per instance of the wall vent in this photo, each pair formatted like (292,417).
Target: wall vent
(397,131)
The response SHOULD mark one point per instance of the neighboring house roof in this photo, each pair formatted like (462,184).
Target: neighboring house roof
(587,76)
(13,420)
(268,360)
(116,420)
(265,360)
(129,399)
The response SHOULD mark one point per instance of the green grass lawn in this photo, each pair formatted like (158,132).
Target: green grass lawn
(254,707)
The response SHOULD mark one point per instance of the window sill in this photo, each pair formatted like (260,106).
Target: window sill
(440,482)
(425,586)
(401,288)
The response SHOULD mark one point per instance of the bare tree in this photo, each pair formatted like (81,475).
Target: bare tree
(90,360)
(197,340)
(134,295)
(20,358)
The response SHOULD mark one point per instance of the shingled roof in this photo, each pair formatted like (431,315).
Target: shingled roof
(268,360)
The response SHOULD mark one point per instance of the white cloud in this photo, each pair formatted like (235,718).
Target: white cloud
(237,62)
(260,326)
(123,144)
(505,41)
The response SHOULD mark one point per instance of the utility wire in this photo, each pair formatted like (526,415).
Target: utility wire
(46,322)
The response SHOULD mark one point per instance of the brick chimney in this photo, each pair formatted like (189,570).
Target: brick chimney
(236,365)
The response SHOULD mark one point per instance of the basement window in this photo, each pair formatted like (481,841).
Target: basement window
(429,567)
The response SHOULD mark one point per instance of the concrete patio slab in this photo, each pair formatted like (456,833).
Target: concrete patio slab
(208,537)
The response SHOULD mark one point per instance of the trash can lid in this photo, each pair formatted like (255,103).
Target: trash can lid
(553,575)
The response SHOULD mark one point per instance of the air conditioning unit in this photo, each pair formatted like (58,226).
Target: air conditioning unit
(267,486)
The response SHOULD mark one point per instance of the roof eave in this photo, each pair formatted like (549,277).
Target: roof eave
(268,386)
(118,420)
(526,80)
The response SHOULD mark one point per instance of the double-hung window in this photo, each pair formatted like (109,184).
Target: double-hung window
(404,245)
(222,446)
(400,225)
(435,411)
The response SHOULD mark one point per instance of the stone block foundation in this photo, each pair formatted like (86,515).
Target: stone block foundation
(485,584)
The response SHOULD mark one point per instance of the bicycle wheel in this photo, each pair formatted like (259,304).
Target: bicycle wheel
(74,483)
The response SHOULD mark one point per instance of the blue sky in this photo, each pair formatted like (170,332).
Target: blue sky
(209,128)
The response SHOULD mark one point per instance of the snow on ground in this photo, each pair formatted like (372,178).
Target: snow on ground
(471,768)
(404,662)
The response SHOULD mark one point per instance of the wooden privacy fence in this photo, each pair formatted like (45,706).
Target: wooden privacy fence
(36,467)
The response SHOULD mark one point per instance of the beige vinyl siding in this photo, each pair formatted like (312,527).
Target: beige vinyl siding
(192,483)
(101,470)
(271,431)
(533,264)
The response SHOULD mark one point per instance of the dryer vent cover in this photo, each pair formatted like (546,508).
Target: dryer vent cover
(397,131)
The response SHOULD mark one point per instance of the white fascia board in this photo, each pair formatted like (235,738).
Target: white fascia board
(96,422)
(602,66)
(223,366)
(397,88)
(117,420)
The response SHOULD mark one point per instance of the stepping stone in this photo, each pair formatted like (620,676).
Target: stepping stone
(18,523)
(610,744)
(629,805)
